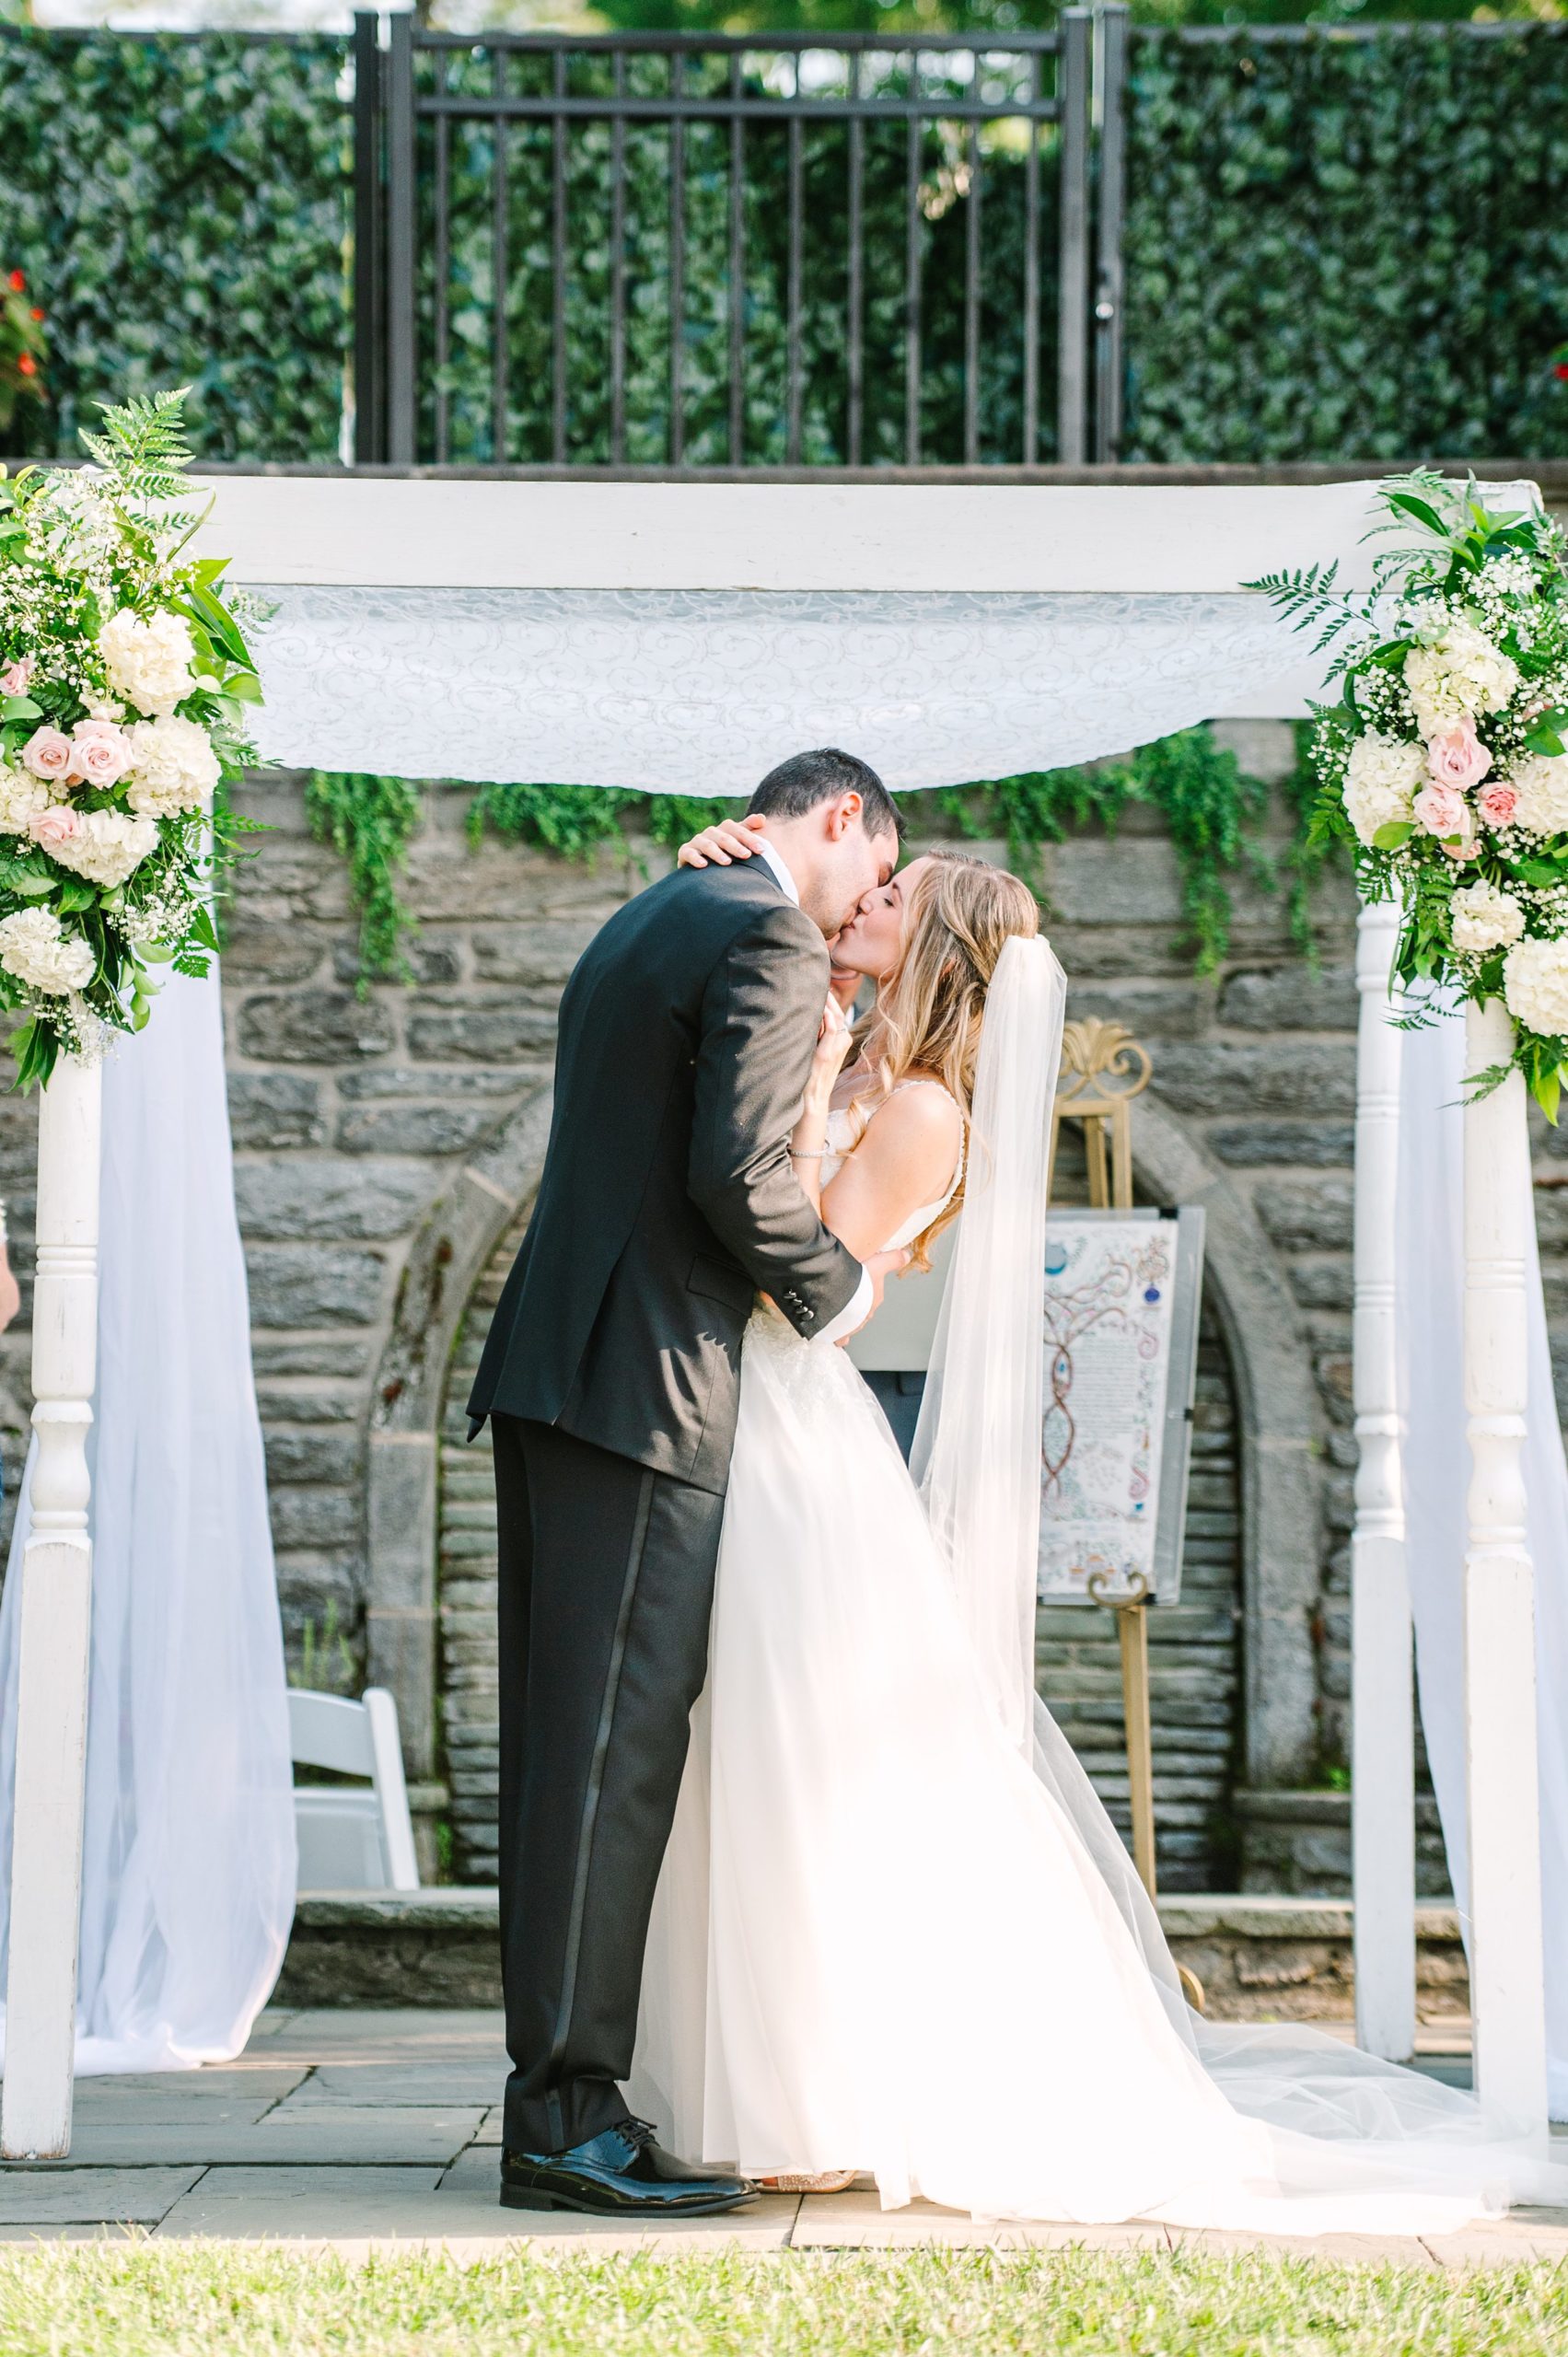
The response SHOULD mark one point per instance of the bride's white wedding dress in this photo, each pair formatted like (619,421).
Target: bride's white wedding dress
(889,1933)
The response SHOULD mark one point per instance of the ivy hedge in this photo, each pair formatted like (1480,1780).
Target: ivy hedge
(1342,243)
(181,205)
(1342,246)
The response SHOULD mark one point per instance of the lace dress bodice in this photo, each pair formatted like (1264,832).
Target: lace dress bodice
(840,1143)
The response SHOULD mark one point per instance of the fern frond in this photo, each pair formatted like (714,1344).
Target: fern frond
(142,445)
(1308,597)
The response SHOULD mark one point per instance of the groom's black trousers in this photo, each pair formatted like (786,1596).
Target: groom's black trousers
(606,1589)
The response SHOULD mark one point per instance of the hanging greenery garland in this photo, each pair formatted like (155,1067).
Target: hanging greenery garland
(1209,805)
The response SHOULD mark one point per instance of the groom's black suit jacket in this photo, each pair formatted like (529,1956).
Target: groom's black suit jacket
(668,1198)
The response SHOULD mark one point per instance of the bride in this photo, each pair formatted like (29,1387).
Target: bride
(895,1930)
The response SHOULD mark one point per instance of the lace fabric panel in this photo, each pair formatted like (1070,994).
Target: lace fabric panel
(701,691)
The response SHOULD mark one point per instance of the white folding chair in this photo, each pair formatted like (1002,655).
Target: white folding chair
(348,1839)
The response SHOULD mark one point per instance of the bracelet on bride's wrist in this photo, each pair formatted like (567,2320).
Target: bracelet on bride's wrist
(807,1153)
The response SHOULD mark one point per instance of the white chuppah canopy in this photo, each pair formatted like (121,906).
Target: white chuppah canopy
(683,638)
(686,637)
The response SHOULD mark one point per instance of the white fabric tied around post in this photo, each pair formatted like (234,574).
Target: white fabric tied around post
(1430,1297)
(189,1855)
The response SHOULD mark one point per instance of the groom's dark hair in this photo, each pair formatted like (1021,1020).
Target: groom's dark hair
(798,785)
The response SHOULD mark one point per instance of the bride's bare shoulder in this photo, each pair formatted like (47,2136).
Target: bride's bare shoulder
(919,1120)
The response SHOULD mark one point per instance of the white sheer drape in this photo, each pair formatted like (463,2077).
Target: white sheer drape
(189,1867)
(1430,1295)
(702,692)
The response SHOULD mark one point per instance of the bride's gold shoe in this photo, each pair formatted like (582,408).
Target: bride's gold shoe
(824,2181)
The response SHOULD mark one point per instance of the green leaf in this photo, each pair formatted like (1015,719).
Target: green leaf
(20,708)
(244,686)
(1426,517)
(1546,1087)
(1542,740)
(1396,831)
(224,630)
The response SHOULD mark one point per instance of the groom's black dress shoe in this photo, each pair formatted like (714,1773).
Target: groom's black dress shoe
(621,2172)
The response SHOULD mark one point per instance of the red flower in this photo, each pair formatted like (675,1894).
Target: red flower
(1561,369)
(27,364)
(37,313)
(18,284)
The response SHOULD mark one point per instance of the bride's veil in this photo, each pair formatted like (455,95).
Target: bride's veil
(976,1453)
(976,1459)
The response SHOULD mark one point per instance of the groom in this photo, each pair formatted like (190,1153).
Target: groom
(611,1378)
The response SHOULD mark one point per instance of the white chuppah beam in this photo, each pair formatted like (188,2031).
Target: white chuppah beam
(52,1726)
(414,532)
(1507,1981)
(1383,1714)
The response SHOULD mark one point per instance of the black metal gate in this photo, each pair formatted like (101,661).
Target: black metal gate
(697,253)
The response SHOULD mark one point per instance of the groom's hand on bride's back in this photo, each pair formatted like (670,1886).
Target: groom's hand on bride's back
(879,1267)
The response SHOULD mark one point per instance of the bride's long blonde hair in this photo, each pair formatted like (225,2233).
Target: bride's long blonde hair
(929,1009)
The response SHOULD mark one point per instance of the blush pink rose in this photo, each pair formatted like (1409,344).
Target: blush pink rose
(1442,810)
(14,679)
(1498,802)
(47,753)
(99,755)
(1456,755)
(55,827)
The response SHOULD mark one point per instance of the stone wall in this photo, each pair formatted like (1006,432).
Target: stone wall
(385,1145)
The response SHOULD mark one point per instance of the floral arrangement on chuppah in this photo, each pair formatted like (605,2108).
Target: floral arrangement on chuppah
(1445,764)
(125,690)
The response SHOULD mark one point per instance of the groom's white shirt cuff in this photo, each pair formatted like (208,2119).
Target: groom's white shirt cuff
(855,1312)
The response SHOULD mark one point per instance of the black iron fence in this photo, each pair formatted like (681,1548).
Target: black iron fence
(693,252)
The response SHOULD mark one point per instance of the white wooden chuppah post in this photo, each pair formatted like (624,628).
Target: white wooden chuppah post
(1507,1988)
(46,1853)
(1383,1709)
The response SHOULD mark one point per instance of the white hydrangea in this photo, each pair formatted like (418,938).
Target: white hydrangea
(1535,986)
(35,946)
(1541,780)
(149,663)
(1485,919)
(173,766)
(1383,777)
(107,847)
(22,796)
(1459,671)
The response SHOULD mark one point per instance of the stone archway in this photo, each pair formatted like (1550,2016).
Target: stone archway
(492,1189)
(433,1588)
(1281,1516)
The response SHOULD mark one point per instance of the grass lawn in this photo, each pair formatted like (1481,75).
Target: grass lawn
(208,2300)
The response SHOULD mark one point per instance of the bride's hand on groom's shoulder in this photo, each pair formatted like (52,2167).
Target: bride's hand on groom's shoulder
(832,1045)
(722,844)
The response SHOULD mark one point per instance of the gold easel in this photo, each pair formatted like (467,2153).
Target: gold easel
(1103,1069)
